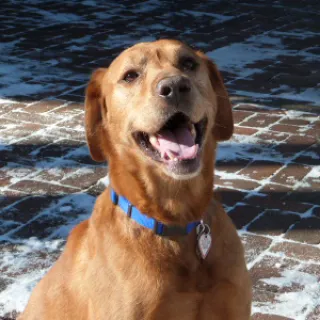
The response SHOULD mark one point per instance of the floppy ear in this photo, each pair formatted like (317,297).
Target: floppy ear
(223,127)
(94,106)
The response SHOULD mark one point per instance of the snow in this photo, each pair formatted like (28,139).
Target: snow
(104,181)
(293,303)
(7,101)
(22,258)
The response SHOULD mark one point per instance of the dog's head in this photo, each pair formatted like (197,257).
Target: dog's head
(161,104)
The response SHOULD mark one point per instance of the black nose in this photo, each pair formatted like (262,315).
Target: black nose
(174,88)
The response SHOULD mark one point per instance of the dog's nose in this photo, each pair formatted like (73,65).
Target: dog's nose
(174,88)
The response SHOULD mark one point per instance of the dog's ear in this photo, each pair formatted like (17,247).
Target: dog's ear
(94,107)
(223,127)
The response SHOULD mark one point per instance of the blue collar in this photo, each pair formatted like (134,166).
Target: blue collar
(150,223)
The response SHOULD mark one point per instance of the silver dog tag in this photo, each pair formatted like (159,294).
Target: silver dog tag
(204,239)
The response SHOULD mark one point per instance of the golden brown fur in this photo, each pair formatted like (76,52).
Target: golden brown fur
(112,268)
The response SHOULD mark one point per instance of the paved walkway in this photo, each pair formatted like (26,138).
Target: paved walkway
(267,175)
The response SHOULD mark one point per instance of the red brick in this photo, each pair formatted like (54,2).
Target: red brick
(285,128)
(76,121)
(46,119)
(19,131)
(7,123)
(38,187)
(301,139)
(272,136)
(295,121)
(239,116)
(83,180)
(254,245)
(311,268)
(271,267)
(54,174)
(291,174)
(298,251)
(306,230)
(260,169)
(244,131)
(236,184)
(276,188)
(9,175)
(263,296)
(255,108)
(260,121)
(44,106)
(67,133)
(70,109)
(4,109)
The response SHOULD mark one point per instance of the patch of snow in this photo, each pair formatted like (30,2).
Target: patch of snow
(237,56)
(6,101)
(104,181)
(315,171)
(295,304)
(247,150)
(22,257)
(310,94)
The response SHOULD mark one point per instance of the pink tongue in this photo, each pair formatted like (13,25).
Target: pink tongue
(178,142)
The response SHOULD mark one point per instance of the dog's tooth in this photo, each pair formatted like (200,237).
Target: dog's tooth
(193,131)
(175,159)
(153,140)
(170,155)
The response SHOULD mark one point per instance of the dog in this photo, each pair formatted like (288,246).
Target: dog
(157,245)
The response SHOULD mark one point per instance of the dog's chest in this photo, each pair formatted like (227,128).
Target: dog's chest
(187,306)
(185,294)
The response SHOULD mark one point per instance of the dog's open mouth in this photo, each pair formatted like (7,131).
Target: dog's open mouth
(178,141)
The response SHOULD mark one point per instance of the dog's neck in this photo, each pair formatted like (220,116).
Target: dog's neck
(161,197)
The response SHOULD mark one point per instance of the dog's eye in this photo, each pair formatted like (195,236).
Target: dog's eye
(130,76)
(188,64)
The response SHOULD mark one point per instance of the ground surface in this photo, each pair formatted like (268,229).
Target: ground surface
(268,174)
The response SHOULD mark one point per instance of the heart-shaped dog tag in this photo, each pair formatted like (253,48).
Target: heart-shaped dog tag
(204,244)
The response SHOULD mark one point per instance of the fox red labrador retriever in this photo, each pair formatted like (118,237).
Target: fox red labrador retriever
(158,245)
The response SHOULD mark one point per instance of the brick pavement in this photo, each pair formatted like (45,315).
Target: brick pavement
(267,175)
